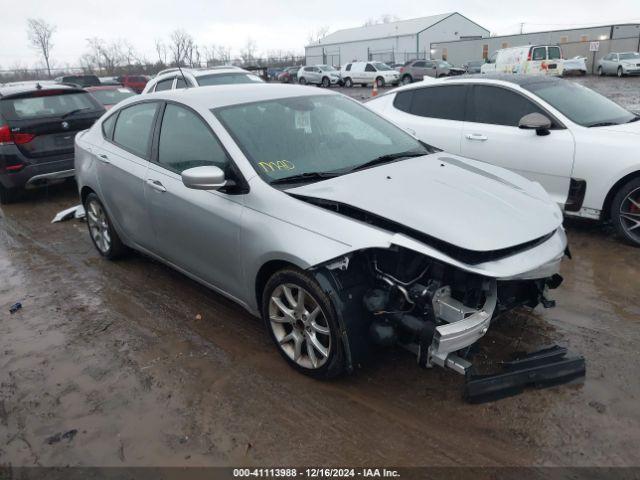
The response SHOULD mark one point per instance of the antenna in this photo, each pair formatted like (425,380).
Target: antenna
(186,84)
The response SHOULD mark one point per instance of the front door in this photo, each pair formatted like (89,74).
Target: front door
(491,135)
(196,230)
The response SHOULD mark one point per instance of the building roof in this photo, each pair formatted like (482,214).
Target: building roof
(383,30)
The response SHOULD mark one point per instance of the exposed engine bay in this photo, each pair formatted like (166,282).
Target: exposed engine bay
(430,308)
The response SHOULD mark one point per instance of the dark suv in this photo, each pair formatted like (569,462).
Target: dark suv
(79,80)
(38,124)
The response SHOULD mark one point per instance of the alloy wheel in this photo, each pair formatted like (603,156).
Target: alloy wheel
(98,226)
(630,214)
(300,326)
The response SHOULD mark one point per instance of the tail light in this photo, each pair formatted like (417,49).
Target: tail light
(401,69)
(529,55)
(6,136)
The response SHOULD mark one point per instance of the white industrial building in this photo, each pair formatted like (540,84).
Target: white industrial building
(394,42)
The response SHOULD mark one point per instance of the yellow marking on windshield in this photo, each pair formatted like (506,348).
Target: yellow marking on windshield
(278,165)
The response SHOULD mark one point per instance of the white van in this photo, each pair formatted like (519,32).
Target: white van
(365,73)
(527,60)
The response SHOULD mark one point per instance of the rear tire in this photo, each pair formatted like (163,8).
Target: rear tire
(625,212)
(103,235)
(302,81)
(295,333)
(8,195)
(406,79)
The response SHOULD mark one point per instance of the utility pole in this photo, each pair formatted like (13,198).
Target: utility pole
(521,28)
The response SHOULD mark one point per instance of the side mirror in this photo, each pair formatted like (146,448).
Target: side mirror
(537,122)
(204,178)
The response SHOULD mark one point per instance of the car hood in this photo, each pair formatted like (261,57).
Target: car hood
(632,128)
(459,201)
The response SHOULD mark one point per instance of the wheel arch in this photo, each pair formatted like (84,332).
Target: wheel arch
(265,272)
(84,193)
(606,206)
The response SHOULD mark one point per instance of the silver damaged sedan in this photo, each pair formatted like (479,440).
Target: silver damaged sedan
(339,229)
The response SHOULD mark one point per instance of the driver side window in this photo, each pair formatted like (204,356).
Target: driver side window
(187,142)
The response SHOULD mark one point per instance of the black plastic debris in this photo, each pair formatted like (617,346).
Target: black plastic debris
(544,368)
(58,437)
(15,307)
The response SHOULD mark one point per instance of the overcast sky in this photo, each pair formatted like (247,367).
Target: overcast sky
(273,24)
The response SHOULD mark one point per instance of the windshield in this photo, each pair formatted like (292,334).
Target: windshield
(445,65)
(111,97)
(381,66)
(313,134)
(47,104)
(327,68)
(580,104)
(228,78)
(630,56)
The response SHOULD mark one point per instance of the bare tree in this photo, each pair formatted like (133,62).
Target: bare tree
(248,53)
(161,50)
(224,54)
(40,33)
(106,55)
(181,46)
(316,35)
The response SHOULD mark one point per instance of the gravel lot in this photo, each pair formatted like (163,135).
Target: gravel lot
(116,356)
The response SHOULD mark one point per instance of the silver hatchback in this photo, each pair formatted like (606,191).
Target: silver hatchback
(339,229)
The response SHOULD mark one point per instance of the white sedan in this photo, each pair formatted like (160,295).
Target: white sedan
(580,146)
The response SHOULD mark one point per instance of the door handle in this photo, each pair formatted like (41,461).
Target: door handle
(476,137)
(156,185)
(103,158)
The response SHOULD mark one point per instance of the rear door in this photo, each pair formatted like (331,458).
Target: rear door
(491,135)
(123,160)
(434,114)
(49,121)
(197,230)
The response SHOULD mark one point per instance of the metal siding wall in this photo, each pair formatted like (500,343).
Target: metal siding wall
(449,29)
(467,50)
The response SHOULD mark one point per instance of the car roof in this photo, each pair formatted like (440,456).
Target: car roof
(24,87)
(516,79)
(216,96)
(107,87)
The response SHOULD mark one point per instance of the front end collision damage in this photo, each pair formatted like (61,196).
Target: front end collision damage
(435,310)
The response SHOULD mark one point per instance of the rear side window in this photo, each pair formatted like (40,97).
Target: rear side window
(403,101)
(133,128)
(499,106)
(419,64)
(447,103)
(47,104)
(180,83)
(228,79)
(187,142)
(108,125)
(164,85)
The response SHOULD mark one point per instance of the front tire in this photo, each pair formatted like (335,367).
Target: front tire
(302,323)
(620,72)
(380,82)
(348,82)
(600,71)
(326,83)
(103,235)
(302,81)
(625,212)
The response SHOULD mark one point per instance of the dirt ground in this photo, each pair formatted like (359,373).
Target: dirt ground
(109,364)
